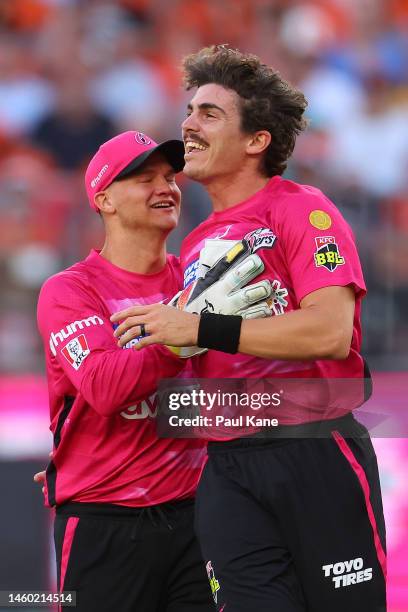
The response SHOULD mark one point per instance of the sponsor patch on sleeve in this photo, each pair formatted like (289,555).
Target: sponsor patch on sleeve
(327,253)
(320,219)
(76,351)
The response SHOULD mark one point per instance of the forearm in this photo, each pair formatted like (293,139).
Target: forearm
(320,329)
(305,334)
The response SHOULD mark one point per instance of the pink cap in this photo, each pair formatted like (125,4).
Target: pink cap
(124,153)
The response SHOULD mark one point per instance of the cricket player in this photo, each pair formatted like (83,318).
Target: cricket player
(124,498)
(292,524)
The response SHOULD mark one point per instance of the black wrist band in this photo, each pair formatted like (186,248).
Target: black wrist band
(219,332)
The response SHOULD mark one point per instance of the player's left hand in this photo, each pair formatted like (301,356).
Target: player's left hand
(163,324)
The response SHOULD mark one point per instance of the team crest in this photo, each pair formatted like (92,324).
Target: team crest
(262,238)
(76,351)
(214,584)
(327,253)
(142,139)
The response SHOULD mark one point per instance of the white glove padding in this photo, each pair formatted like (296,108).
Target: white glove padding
(211,252)
(222,290)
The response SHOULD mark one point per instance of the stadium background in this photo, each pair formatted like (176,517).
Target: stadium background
(75,72)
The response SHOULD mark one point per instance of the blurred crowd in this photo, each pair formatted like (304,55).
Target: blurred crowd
(73,73)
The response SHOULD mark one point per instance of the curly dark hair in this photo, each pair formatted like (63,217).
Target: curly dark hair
(267,101)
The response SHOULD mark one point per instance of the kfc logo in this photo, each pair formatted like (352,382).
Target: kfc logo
(76,351)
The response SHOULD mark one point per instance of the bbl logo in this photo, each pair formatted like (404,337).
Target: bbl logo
(327,253)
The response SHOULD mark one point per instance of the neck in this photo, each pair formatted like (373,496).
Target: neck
(142,251)
(228,190)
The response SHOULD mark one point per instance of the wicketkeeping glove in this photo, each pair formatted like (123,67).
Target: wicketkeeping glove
(224,289)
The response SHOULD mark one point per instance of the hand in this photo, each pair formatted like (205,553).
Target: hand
(163,324)
(40,478)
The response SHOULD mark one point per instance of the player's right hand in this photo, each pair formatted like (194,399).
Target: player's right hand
(40,478)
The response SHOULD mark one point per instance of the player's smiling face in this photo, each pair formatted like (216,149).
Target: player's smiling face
(214,142)
(149,197)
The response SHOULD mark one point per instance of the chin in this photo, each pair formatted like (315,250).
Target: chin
(193,172)
(168,226)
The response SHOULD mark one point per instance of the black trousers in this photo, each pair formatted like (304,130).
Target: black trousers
(131,559)
(294,525)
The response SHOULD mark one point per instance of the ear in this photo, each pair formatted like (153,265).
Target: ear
(259,142)
(104,203)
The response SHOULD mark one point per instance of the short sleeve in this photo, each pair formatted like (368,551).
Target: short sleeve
(317,245)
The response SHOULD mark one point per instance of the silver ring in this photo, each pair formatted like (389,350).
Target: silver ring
(142,330)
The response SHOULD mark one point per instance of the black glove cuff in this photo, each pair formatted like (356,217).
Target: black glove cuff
(219,332)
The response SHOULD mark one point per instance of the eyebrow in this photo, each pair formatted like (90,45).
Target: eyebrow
(207,106)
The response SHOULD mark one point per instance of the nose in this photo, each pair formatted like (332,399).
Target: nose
(190,123)
(164,188)
(161,185)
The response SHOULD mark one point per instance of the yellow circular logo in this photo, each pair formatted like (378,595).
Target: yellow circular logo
(320,219)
